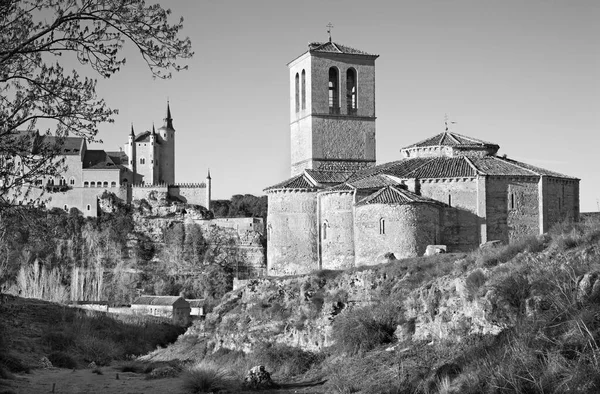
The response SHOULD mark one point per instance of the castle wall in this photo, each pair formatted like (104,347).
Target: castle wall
(337,230)
(408,229)
(512,208)
(109,176)
(460,222)
(292,233)
(190,194)
(83,198)
(139,192)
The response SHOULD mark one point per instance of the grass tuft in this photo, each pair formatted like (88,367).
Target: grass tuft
(207,377)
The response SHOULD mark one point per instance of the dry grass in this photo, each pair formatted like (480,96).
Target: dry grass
(208,377)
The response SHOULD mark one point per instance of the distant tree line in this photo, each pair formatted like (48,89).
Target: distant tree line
(240,205)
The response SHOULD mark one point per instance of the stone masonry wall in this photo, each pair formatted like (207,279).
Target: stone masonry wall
(460,224)
(337,230)
(344,138)
(301,146)
(190,194)
(408,231)
(561,201)
(292,233)
(512,208)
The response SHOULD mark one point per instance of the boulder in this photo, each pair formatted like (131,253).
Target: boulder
(491,244)
(258,378)
(588,287)
(435,249)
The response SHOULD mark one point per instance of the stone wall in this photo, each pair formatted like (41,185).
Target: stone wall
(512,208)
(292,232)
(460,223)
(561,201)
(406,232)
(302,145)
(139,192)
(337,230)
(83,198)
(190,194)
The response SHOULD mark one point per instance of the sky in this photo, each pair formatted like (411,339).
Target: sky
(522,74)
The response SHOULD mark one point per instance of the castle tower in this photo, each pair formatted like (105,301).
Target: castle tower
(332,109)
(208,189)
(166,164)
(130,150)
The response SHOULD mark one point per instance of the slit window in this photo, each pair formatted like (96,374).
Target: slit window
(334,91)
(88,207)
(512,200)
(351,91)
(325,230)
(382,226)
(297,92)
(303,89)
(450,200)
(142,160)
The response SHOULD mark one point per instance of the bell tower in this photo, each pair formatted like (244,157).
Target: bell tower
(332,109)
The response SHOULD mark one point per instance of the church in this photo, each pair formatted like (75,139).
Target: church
(341,210)
(146,163)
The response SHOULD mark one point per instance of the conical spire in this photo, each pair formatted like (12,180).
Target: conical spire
(208,176)
(153,129)
(132,132)
(168,119)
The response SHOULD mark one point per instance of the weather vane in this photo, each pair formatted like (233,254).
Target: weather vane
(329,27)
(446,121)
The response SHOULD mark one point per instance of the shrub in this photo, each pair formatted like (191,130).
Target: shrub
(284,360)
(207,377)
(97,350)
(58,340)
(474,281)
(362,329)
(62,360)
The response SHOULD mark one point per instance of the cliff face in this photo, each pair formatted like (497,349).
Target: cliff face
(300,311)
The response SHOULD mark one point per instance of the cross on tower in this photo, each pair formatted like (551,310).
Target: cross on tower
(446,121)
(329,27)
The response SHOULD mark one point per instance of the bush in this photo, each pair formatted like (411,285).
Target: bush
(362,329)
(474,281)
(207,377)
(62,360)
(58,341)
(97,350)
(284,360)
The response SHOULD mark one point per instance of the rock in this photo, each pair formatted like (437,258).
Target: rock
(435,249)
(92,365)
(491,244)
(45,363)
(164,372)
(588,287)
(258,378)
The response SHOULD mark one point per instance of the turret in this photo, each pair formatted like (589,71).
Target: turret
(131,151)
(166,166)
(208,191)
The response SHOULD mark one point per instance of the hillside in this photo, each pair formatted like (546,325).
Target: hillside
(516,318)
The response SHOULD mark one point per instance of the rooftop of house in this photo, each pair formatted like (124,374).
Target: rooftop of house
(157,300)
(395,195)
(334,47)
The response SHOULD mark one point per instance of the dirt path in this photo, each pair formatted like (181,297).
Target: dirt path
(84,381)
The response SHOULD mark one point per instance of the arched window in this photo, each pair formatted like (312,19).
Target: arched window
(324,232)
(92,184)
(269,229)
(297,92)
(113,184)
(66,207)
(303,89)
(62,181)
(334,91)
(142,160)
(86,184)
(99,184)
(105,184)
(51,181)
(382,226)
(72,181)
(351,91)
(88,207)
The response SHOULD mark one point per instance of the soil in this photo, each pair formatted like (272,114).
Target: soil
(84,381)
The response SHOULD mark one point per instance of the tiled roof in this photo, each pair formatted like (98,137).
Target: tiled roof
(156,300)
(393,195)
(452,139)
(373,182)
(492,165)
(443,167)
(118,157)
(68,145)
(334,47)
(342,187)
(534,169)
(145,137)
(98,159)
(299,182)
(328,176)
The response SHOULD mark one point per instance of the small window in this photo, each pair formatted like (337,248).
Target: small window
(72,181)
(86,184)
(113,184)
(325,225)
(382,226)
(512,200)
(124,181)
(92,184)
(450,200)
(88,207)
(351,91)
(142,160)
(98,184)
(66,207)
(105,184)
(51,182)
(62,182)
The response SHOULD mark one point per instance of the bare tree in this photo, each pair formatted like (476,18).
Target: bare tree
(35,87)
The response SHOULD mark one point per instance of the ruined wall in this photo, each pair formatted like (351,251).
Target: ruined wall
(512,207)
(337,230)
(406,232)
(292,232)
(460,223)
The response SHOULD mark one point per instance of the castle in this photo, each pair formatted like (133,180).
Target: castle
(146,163)
(341,210)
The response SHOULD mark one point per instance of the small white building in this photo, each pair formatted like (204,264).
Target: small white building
(197,307)
(173,307)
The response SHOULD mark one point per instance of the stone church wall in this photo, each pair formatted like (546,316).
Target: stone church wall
(337,230)
(408,231)
(561,201)
(301,147)
(335,142)
(292,232)
(460,224)
(512,208)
